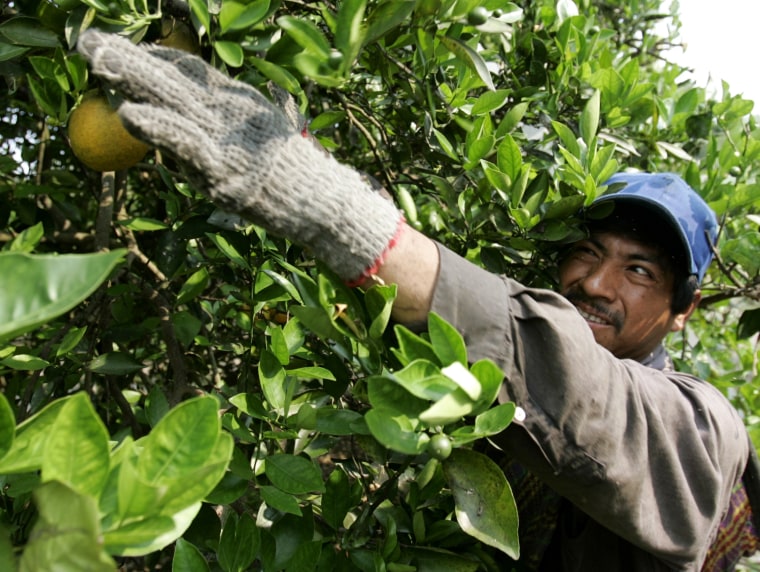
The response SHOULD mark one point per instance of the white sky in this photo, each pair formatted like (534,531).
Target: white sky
(723,43)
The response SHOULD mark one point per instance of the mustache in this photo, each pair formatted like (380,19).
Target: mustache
(576,296)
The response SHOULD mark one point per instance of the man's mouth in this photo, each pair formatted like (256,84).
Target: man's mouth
(593,311)
(592,318)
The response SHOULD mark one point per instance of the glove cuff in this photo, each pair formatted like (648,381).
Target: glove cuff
(374,268)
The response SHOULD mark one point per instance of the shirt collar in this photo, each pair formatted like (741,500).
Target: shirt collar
(659,359)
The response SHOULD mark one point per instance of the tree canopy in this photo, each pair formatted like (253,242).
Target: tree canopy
(178,386)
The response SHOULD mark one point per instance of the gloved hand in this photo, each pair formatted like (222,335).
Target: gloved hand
(245,154)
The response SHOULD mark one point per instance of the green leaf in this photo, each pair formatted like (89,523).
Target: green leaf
(114,363)
(459,374)
(187,558)
(279,500)
(479,149)
(397,432)
(749,323)
(568,138)
(412,347)
(136,498)
(28,239)
(589,123)
(449,409)
(7,550)
(388,15)
(37,288)
(471,58)
(8,52)
(228,249)
(490,377)
(249,404)
(277,74)
(564,207)
(293,474)
(337,499)
(509,158)
(440,560)
(77,452)
(70,341)
(239,544)
(446,145)
(181,442)
(23,31)
(144,224)
(511,119)
(199,9)
(384,394)
(349,33)
(231,53)
(447,342)
(193,286)
(340,422)
(186,327)
(273,381)
(28,449)
(318,321)
(326,119)
(240,15)
(66,536)
(379,301)
(311,372)
(424,379)
(147,535)
(490,101)
(7,427)
(306,34)
(495,420)
(485,506)
(24,362)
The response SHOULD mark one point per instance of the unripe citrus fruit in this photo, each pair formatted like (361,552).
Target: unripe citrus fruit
(98,138)
(439,446)
(477,16)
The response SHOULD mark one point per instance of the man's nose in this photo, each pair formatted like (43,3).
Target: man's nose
(601,281)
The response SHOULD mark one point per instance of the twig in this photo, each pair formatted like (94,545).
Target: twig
(105,210)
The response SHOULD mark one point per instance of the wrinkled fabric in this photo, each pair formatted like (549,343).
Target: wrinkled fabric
(644,458)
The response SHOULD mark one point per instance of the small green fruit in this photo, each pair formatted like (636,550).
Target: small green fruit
(335,60)
(477,16)
(439,446)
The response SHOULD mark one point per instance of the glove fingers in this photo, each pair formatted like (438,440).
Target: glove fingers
(137,73)
(176,80)
(173,133)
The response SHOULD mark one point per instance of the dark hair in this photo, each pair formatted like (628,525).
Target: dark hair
(649,227)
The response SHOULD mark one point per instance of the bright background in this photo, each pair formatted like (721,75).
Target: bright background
(722,42)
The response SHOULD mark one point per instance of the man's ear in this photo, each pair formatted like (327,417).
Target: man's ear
(679,320)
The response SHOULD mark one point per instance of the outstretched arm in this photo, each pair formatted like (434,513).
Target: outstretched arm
(250,159)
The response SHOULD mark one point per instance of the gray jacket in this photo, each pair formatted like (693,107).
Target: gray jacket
(644,457)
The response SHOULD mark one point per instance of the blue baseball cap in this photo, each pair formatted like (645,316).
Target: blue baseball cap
(669,196)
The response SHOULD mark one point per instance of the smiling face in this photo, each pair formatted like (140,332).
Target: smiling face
(624,289)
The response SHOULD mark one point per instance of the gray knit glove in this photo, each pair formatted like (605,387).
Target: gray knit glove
(245,154)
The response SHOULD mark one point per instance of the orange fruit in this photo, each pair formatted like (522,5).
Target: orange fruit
(178,35)
(98,138)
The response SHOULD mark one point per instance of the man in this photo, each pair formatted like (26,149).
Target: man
(644,464)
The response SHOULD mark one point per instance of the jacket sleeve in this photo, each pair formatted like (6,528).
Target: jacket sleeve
(650,455)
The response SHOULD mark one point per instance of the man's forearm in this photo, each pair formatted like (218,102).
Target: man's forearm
(412,264)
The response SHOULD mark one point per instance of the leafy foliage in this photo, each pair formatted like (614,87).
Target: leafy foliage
(180,387)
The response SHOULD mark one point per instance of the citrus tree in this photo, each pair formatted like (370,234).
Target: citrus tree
(181,389)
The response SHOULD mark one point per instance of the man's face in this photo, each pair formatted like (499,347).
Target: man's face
(623,289)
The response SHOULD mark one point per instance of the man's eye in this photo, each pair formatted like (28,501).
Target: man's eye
(642,271)
(585,250)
